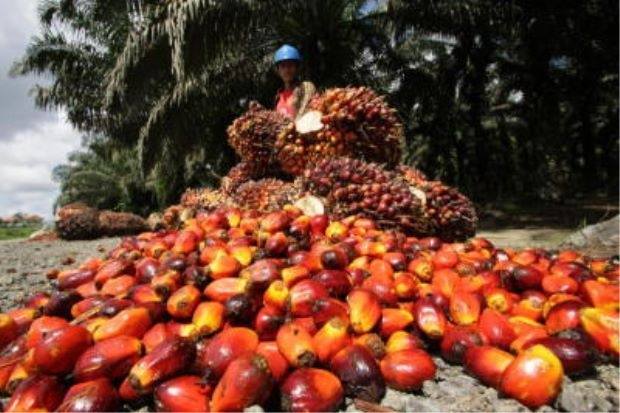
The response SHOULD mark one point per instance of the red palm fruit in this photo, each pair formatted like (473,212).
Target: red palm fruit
(464,308)
(575,355)
(246,381)
(277,295)
(311,390)
(402,340)
(38,301)
(37,393)
(217,353)
(166,283)
(487,364)
(209,252)
(60,349)
(422,268)
(241,308)
(113,268)
(394,319)
(186,330)
(330,339)
(407,370)
(111,358)
(558,298)
(530,306)
(8,330)
(381,269)
(41,327)
(183,394)
(144,294)
(601,295)
(276,244)
(167,359)
(500,299)
(603,326)
(208,317)
(60,303)
(334,258)
(559,284)
(397,260)
(445,258)
(261,273)
(457,340)
(357,276)
(155,336)
(318,224)
(133,322)
(534,377)
(327,308)
(306,323)
(364,310)
(336,282)
(92,396)
(526,257)
(268,321)
(383,288)
(563,316)
(496,329)
(445,281)
(278,365)
(183,302)
(118,286)
(429,318)
(274,222)
(85,305)
(304,295)
(73,278)
(575,270)
(405,285)
(113,306)
(295,344)
(222,289)
(359,373)
(186,242)
(146,268)
(223,266)
(373,343)
(526,278)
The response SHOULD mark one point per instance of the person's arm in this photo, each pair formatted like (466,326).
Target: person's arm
(307,91)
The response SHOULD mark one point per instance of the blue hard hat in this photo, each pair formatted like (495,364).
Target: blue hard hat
(286,52)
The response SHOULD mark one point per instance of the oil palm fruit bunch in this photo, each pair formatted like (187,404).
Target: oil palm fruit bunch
(354,122)
(238,174)
(77,221)
(204,199)
(253,134)
(265,195)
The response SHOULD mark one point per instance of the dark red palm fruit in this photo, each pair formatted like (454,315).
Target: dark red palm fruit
(303,297)
(276,244)
(295,344)
(563,316)
(407,370)
(311,390)
(397,260)
(146,268)
(487,363)
(555,299)
(111,358)
(41,327)
(246,381)
(134,321)
(196,276)
(261,273)
(574,270)
(214,356)
(526,277)
(394,319)
(429,318)
(60,303)
(457,340)
(241,308)
(60,349)
(496,329)
(334,258)
(37,393)
(402,340)
(327,308)
(167,359)
(113,306)
(364,310)
(267,322)
(576,356)
(357,276)
(278,365)
(336,282)
(359,373)
(92,396)
(183,394)
(331,338)
(70,279)
(383,288)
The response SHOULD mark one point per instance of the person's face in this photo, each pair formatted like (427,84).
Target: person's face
(287,70)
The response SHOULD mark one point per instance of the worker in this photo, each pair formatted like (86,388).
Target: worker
(293,98)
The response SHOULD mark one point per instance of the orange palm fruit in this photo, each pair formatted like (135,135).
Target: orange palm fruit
(327,308)
(445,281)
(134,321)
(118,286)
(86,304)
(222,289)
(224,265)
(277,295)
(183,302)
(380,268)
(364,310)
(304,295)
(167,359)
(292,275)
(186,242)
(457,340)
(500,299)
(183,394)
(261,273)
(464,308)
(60,349)
(534,377)
(216,354)
(166,283)
(246,381)
(421,268)
(603,326)
(88,289)
(208,317)
(394,319)
(563,316)
(37,393)
(496,329)
(73,278)
(405,285)
(402,340)
(111,358)
(330,339)
(278,365)
(487,363)
(311,390)
(295,344)
(602,295)
(113,268)
(407,370)
(445,258)
(359,373)
(530,307)
(383,288)
(336,231)
(429,318)
(92,396)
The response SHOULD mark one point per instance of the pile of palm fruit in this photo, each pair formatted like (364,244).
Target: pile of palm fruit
(297,285)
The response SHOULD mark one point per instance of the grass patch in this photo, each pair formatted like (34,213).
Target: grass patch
(17,232)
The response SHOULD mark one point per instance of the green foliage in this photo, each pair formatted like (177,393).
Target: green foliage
(7,233)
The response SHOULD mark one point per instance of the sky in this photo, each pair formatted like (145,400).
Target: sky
(32,141)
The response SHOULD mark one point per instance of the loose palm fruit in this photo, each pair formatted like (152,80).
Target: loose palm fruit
(146,268)
(112,269)
(113,306)
(92,396)
(213,358)
(429,318)
(261,273)
(277,295)
(304,295)
(70,279)
(295,344)
(457,340)
(208,317)
(268,322)
(406,370)
(601,295)
(496,329)
(246,381)
(373,343)
(37,393)
(364,310)
(167,359)
(327,308)
(359,373)
(311,390)
(133,322)
(500,299)
(41,327)
(563,316)
(118,286)
(576,356)
(394,319)
(464,308)
(183,394)
(222,289)
(60,349)
(277,363)
(241,308)
(111,358)
(421,268)
(534,378)
(330,339)
(166,283)
(487,363)
(401,340)
(336,282)
(20,372)
(60,303)
(183,302)
(603,326)
(156,335)
(186,242)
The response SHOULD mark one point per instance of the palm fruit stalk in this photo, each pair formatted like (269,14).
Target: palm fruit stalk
(354,122)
